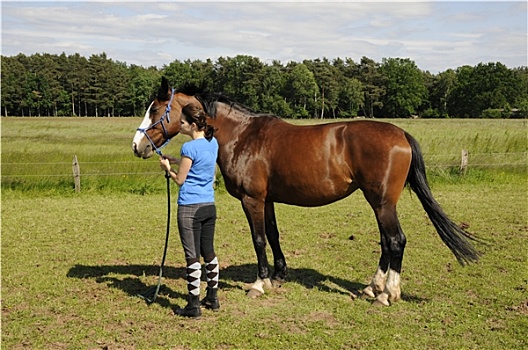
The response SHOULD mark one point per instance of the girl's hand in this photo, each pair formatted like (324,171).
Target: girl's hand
(165,164)
(172,160)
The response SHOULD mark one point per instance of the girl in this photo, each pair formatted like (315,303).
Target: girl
(196,207)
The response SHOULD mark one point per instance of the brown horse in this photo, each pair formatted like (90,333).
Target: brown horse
(265,160)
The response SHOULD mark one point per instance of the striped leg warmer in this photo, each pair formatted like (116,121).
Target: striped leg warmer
(194,273)
(212,271)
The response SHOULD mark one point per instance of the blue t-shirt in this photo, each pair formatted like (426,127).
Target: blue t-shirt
(198,186)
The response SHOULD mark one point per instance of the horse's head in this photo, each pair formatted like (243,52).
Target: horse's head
(161,122)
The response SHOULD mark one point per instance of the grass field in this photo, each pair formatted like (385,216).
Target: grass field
(37,153)
(72,263)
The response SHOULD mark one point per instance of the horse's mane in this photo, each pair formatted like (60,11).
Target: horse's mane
(210,99)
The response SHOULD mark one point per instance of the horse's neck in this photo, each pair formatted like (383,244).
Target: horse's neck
(230,121)
(231,114)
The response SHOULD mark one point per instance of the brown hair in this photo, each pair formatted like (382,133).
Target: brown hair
(193,114)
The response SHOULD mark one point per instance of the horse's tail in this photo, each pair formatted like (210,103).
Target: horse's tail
(453,236)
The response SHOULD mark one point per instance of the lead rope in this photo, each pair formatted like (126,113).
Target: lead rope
(152,293)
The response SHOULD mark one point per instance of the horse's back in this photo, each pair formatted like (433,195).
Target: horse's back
(346,141)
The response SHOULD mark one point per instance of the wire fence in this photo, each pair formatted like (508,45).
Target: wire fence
(141,168)
(61,169)
(478,160)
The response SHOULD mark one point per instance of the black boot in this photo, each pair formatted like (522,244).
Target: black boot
(192,309)
(211,299)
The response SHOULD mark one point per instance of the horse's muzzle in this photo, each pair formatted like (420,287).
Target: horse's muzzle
(145,153)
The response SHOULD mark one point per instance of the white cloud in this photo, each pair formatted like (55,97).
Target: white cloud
(436,35)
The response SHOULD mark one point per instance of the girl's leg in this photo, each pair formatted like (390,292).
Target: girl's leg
(208,214)
(190,229)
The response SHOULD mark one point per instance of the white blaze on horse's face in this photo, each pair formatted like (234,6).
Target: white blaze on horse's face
(141,145)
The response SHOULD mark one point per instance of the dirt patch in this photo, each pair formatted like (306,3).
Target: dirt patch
(326,317)
(521,308)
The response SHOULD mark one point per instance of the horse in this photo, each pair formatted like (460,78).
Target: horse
(265,160)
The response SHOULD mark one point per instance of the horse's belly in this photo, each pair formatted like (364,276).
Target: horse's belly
(311,195)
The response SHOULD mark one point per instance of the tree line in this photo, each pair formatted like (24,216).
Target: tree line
(73,85)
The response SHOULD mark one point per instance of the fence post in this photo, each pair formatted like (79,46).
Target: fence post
(76,174)
(464,162)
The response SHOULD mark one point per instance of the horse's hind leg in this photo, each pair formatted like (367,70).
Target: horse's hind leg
(386,282)
(272,233)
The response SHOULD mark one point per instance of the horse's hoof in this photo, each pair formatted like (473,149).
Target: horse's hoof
(367,293)
(253,293)
(365,296)
(378,303)
(277,283)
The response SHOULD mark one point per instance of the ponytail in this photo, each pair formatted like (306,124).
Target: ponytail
(193,114)
(209,132)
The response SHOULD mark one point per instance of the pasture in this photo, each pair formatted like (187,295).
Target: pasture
(72,263)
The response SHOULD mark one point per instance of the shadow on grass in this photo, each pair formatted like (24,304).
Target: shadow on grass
(120,277)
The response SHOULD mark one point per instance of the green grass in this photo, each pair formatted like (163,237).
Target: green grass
(72,264)
(37,153)
(71,268)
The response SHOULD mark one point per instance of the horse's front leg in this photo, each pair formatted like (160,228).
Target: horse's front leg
(254,211)
(272,233)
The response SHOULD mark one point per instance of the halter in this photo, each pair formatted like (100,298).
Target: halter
(160,121)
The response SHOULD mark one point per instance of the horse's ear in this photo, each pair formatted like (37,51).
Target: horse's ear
(164,83)
(163,91)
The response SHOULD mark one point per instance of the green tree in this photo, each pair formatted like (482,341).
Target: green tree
(52,72)
(373,86)
(301,88)
(483,87)
(46,84)
(142,87)
(31,96)
(240,78)
(461,95)
(77,83)
(521,100)
(13,72)
(178,73)
(351,96)
(100,93)
(273,85)
(439,92)
(120,98)
(326,77)
(405,90)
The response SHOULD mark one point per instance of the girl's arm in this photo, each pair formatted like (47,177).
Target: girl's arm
(180,175)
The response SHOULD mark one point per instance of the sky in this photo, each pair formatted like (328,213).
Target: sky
(436,35)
